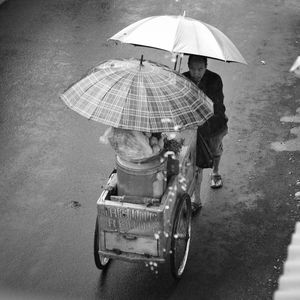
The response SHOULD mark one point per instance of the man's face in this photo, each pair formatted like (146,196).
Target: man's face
(197,70)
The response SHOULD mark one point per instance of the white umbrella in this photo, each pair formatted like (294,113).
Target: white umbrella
(180,34)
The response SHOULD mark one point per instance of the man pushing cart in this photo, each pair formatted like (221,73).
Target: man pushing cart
(144,212)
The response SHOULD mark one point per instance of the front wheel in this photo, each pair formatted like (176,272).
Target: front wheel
(181,235)
(101,261)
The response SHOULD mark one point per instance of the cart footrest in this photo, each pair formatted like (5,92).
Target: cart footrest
(131,257)
(148,201)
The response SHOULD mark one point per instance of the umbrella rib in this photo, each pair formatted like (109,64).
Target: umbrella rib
(86,90)
(239,57)
(115,83)
(212,33)
(128,91)
(177,29)
(91,73)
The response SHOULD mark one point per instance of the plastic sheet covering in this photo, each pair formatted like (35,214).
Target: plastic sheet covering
(130,144)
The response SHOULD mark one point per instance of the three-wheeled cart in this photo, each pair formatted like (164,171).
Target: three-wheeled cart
(143,216)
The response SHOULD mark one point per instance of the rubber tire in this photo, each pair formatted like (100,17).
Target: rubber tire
(101,261)
(177,271)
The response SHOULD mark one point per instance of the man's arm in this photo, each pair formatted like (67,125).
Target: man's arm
(219,119)
(219,107)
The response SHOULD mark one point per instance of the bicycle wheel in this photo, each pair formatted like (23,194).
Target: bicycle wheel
(181,235)
(101,261)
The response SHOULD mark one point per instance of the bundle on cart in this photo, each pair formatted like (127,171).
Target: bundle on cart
(132,145)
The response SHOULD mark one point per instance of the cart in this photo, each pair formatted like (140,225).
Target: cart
(135,227)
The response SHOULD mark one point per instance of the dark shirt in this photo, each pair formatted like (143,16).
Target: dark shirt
(211,84)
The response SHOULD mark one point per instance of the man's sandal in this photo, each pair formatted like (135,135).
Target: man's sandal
(216,181)
(196,208)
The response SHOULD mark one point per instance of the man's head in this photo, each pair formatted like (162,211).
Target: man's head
(197,66)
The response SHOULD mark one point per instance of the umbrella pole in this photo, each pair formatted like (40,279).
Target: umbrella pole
(180,60)
(175,65)
(141,61)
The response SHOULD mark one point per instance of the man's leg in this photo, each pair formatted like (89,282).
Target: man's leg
(216,164)
(216,146)
(216,179)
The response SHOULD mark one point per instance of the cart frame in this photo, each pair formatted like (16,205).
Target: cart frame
(148,229)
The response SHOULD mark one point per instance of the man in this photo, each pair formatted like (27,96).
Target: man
(215,128)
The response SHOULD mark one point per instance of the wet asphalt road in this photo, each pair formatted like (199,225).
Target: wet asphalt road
(52,166)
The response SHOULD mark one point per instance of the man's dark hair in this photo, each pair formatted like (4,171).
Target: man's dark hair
(199,58)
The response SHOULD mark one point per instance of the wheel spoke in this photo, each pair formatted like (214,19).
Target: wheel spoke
(181,237)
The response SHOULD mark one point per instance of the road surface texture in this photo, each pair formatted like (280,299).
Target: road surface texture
(53,167)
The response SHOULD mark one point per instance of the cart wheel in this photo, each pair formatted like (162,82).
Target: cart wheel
(101,261)
(181,235)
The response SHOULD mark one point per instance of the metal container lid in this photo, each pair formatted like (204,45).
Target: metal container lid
(153,162)
(146,159)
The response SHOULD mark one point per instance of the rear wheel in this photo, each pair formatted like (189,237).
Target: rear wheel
(101,261)
(181,235)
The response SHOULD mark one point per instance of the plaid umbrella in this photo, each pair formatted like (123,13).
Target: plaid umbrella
(139,95)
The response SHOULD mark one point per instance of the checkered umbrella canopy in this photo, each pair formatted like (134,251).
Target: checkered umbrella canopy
(139,95)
